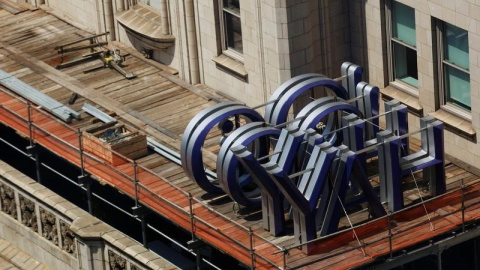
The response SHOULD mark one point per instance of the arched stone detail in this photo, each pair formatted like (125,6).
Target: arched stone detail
(7,197)
(116,261)
(69,244)
(28,215)
(49,226)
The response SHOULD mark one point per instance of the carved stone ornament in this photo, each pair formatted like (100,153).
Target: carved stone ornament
(27,213)
(49,226)
(68,238)
(116,261)
(134,267)
(7,196)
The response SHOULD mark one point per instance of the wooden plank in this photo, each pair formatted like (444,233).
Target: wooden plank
(12,7)
(85,91)
(156,101)
(173,113)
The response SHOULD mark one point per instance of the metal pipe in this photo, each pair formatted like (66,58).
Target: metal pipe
(81,39)
(192,221)
(37,165)
(80,149)
(29,115)
(88,185)
(144,229)
(32,146)
(390,235)
(439,260)
(252,251)
(463,206)
(475,254)
(135,181)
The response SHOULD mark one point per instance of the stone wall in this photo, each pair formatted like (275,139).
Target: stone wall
(281,39)
(60,235)
(461,13)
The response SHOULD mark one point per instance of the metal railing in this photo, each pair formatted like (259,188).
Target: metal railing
(393,237)
(189,212)
(202,220)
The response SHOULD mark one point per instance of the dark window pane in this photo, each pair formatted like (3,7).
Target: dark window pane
(405,63)
(232,6)
(456,46)
(457,87)
(233,33)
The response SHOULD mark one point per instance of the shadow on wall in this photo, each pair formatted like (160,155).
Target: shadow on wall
(152,49)
(342,38)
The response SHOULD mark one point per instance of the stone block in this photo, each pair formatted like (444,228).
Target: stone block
(75,213)
(124,243)
(113,236)
(63,207)
(82,223)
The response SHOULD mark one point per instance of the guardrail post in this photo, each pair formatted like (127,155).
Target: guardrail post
(139,211)
(190,197)
(252,251)
(84,179)
(463,206)
(135,181)
(80,150)
(194,244)
(285,252)
(29,115)
(390,235)
(32,149)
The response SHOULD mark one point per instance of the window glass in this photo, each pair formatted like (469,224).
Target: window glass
(457,84)
(405,64)
(456,46)
(152,3)
(234,32)
(403,42)
(232,26)
(232,6)
(403,23)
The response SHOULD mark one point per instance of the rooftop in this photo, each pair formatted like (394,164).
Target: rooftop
(160,104)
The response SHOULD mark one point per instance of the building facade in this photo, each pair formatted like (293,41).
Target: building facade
(423,53)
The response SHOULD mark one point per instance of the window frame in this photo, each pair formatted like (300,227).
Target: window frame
(226,50)
(391,42)
(441,64)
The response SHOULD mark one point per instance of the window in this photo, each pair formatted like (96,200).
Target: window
(153,3)
(402,45)
(231,28)
(452,50)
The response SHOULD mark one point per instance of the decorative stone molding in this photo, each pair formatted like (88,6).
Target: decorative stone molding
(49,226)
(134,267)
(116,261)
(88,242)
(7,197)
(27,213)
(67,238)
